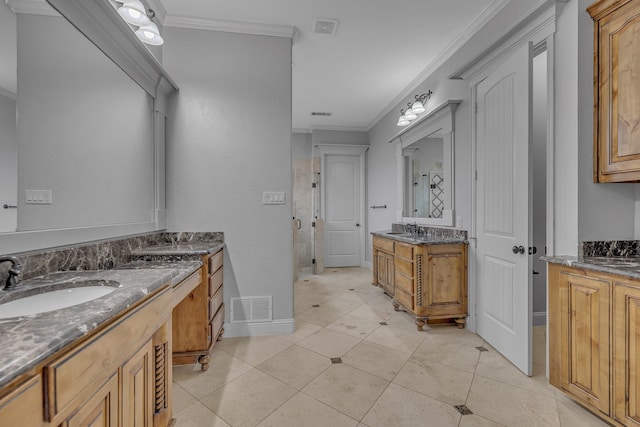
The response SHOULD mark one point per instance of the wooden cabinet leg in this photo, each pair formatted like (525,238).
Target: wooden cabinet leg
(460,323)
(204,361)
(420,324)
(220,334)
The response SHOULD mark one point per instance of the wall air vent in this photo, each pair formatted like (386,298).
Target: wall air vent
(321,114)
(325,26)
(251,309)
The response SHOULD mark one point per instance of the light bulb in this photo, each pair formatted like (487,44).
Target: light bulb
(150,34)
(418,107)
(410,115)
(402,121)
(134,12)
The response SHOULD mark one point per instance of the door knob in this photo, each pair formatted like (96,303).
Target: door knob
(357,225)
(518,249)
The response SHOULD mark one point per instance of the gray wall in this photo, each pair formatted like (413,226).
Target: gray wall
(8,163)
(539,185)
(84,131)
(229,139)
(320,136)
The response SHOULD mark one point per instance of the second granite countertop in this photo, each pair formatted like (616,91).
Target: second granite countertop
(190,249)
(421,240)
(627,267)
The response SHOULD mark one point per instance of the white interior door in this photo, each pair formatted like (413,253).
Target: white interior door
(342,211)
(504,300)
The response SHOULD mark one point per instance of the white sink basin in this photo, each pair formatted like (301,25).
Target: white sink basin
(52,300)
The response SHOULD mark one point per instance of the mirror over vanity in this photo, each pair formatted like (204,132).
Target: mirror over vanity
(425,164)
(82,125)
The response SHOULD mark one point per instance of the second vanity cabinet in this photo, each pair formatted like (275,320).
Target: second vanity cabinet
(594,341)
(198,319)
(427,280)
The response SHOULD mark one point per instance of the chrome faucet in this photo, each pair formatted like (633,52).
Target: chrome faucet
(14,271)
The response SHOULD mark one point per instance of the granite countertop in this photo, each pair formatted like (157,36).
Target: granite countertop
(628,267)
(28,340)
(196,248)
(421,240)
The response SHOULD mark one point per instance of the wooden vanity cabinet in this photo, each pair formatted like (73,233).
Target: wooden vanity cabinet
(616,90)
(427,280)
(580,325)
(383,268)
(111,380)
(594,341)
(199,318)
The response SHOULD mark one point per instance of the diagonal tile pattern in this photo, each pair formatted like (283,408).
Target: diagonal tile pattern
(390,375)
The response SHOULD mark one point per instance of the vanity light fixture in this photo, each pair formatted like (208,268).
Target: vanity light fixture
(413,109)
(136,15)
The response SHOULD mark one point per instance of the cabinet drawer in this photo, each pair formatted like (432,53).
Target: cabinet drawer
(404,299)
(215,282)
(214,303)
(217,323)
(383,244)
(75,373)
(404,283)
(215,262)
(404,251)
(403,266)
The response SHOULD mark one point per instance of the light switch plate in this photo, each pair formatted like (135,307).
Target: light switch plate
(273,197)
(38,197)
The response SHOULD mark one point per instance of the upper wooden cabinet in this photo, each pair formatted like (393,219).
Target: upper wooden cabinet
(616,155)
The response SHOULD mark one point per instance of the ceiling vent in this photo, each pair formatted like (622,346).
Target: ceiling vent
(320,114)
(325,26)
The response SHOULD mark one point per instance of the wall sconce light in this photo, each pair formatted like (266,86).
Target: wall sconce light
(135,14)
(413,109)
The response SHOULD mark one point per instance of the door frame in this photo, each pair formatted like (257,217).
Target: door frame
(539,31)
(346,150)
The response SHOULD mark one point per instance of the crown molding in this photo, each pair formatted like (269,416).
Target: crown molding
(338,128)
(31,7)
(255,28)
(480,21)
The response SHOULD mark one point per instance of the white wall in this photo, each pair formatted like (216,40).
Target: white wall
(84,131)
(8,164)
(228,140)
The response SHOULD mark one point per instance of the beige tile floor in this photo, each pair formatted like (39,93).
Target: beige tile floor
(390,375)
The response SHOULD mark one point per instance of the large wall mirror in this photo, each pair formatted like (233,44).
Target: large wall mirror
(78,134)
(425,159)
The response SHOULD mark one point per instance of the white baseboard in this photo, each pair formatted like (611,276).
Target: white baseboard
(275,327)
(367,264)
(540,318)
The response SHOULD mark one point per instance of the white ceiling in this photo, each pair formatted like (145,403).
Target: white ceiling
(381,51)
